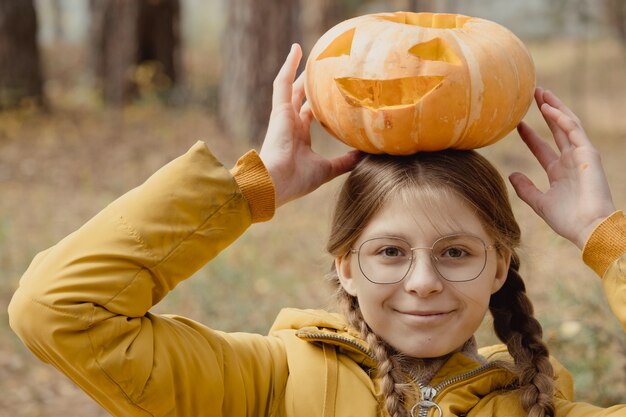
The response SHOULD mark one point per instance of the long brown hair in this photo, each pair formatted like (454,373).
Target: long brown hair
(471,177)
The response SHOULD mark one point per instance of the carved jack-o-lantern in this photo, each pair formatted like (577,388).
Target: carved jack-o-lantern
(407,82)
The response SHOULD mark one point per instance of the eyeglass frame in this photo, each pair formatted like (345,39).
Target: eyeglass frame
(432,257)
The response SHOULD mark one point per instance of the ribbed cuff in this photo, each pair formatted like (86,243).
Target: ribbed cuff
(256,186)
(606,244)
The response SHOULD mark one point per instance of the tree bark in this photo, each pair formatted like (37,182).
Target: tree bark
(159,36)
(320,15)
(56,17)
(256,41)
(20,62)
(424,6)
(616,13)
(127,33)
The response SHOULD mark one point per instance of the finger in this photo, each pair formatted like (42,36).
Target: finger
(306,116)
(306,113)
(284,79)
(571,128)
(344,163)
(298,92)
(554,101)
(560,137)
(539,147)
(527,191)
(539,96)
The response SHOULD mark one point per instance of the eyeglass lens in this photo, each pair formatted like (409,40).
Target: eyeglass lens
(456,257)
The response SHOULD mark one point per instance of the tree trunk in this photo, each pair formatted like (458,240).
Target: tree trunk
(128,33)
(426,6)
(56,18)
(616,12)
(320,15)
(20,67)
(159,38)
(256,42)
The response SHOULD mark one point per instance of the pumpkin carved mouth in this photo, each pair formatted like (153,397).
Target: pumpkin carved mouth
(387,94)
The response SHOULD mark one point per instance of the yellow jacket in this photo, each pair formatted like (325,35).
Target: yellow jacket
(83,306)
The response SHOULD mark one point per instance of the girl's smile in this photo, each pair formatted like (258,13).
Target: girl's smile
(429,318)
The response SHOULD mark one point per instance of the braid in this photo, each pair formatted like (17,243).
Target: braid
(516,326)
(394,387)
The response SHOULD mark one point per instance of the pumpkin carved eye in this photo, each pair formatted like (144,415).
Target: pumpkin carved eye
(435,50)
(340,46)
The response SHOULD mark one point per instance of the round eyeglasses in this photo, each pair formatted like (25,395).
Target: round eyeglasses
(456,258)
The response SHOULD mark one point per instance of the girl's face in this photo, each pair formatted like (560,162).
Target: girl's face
(424,315)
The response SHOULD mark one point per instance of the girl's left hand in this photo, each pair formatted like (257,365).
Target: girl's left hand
(579,197)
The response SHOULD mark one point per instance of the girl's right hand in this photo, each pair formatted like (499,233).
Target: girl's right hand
(295,168)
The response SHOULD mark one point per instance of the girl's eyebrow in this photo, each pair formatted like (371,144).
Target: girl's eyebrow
(409,237)
(386,232)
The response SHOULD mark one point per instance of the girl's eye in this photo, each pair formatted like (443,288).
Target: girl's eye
(391,251)
(455,253)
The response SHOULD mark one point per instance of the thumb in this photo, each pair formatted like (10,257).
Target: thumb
(344,163)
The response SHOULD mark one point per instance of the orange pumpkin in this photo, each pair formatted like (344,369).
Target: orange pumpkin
(399,83)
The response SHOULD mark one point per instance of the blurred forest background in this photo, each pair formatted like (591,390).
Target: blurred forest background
(95,96)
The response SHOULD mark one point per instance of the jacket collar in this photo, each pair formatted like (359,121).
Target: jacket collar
(325,328)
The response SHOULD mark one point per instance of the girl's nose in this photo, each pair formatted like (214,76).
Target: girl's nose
(423,279)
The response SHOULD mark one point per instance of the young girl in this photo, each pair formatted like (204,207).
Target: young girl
(424,246)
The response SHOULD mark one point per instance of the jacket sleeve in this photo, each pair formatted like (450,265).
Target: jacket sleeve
(605,253)
(83,305)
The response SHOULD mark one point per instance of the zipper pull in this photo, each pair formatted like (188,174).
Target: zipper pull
(426,403)
(428,393)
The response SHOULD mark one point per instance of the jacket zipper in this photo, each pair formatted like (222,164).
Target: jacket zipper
(336,337)
(429,393)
